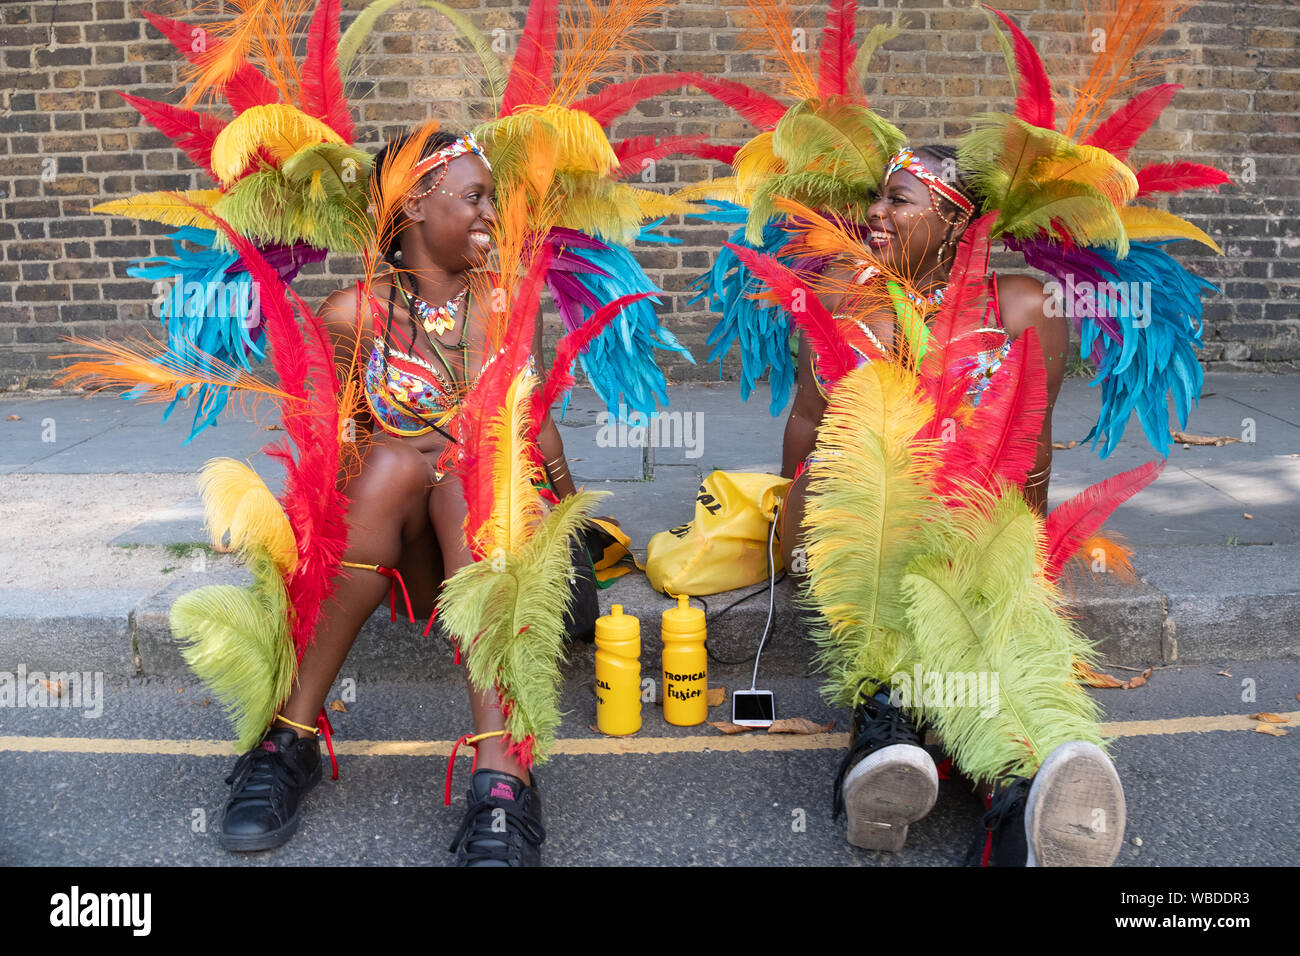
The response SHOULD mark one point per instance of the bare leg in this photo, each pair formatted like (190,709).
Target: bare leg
(792,527)
(387,523)
(447,511)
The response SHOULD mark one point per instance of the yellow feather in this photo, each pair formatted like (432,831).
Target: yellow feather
(280,128)
(724,187)
(754,163)
(1141,222)
(581,145)
(173,209)
(517,507)
(1093,167)
(236,500)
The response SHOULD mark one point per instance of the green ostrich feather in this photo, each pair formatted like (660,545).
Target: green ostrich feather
(978,607)
(507,614)
(236,640)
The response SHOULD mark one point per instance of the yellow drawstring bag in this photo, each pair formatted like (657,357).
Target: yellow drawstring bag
(724,546)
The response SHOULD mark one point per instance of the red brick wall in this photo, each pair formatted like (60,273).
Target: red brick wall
(68,141)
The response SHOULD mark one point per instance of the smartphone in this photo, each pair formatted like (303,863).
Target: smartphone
(753,708)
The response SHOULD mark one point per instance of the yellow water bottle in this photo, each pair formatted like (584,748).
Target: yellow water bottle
(685,665)
(618,673)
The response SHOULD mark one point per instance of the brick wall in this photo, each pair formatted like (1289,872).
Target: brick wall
(68,141)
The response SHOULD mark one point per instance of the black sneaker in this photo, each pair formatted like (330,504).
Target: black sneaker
(886,781)
(503,824)
(1071,814)
(266,790)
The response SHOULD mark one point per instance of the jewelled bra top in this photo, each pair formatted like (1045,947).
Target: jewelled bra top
(981,368)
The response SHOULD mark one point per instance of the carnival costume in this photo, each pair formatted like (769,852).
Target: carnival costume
(923,555)
(291,187)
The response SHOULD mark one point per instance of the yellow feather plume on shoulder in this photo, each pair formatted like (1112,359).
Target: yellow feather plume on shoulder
(236,500)
(1141,222)
(1093,167)
(280,128)
(171,208)
(517,507)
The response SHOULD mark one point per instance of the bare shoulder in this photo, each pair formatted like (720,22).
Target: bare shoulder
(1023,302)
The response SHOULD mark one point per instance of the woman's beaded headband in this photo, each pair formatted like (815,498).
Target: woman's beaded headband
(906,160)
(443,157)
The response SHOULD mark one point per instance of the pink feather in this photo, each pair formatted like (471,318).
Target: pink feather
(760,109)
(617,98)
(321,86)
(1034,104)
(1175,177)
(835,357)
(531,74)
(1073,522)
(193,133)
(838,49)
(1123,128)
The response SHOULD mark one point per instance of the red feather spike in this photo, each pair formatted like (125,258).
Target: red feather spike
(1073,522)
(723,154)
(835,357)
(838,49)
(531,74)
(567,350)
(617,98)
(321,90)
(953,335)
(760,109)
(246,89)
(1123,128)
(1034,104)
(1002,439)
(1175,177)
(193,133)
(636,150)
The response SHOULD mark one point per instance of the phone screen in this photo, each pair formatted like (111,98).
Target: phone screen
(753,706)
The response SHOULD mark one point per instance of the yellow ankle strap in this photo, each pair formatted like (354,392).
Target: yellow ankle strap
(295,724)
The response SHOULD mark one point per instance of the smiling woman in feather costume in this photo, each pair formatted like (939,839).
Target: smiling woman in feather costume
(920,435)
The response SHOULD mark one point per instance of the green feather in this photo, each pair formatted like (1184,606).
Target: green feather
(879,35)
(496,74)
(1007,53)
(507,615)
(237,641)
(359,31)
(815,190)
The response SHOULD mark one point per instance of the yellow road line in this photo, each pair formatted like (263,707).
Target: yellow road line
(738,743)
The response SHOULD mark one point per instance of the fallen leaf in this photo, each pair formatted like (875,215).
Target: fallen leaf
(799,725)
(1091,678)
(1064,444)
(729,728)
(180,690)
(1216,440)
(206,702)
(1270,730)
(1139,680)
(338,705)
(1247,514)
(272,428)
(1223,673)
(715,695)
(15,418)
(1271,718)
(52,687)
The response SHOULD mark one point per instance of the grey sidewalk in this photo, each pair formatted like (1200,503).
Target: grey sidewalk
(1215,538)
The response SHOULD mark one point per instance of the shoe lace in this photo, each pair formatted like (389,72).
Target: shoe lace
(484,842)
(1009,795)
(888,726)
(263,775)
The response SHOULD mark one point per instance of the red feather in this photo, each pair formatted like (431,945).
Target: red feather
(1073,522)
(760,109)
(192,132)
(303,358)
(636,150)
(1034,104)
(1175,177)
(1002,439)
(953,335)
(1123,128)
(723,154)
(617,98)
(246,89)
(835,357)
(838,49)
(531,79)
(321,87)
(567,351)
